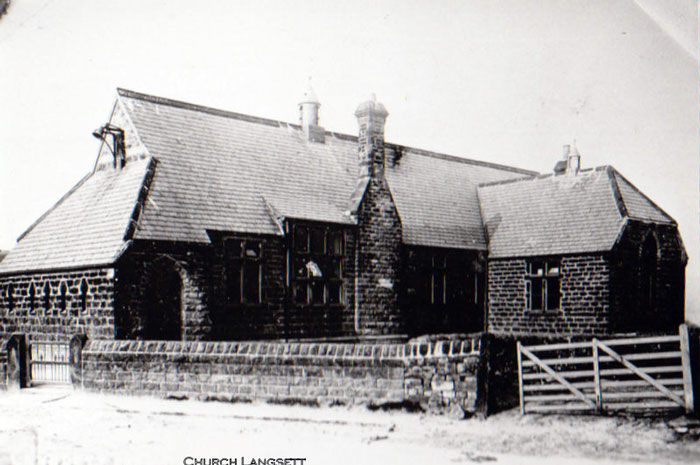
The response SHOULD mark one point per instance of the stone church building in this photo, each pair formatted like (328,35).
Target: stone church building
(203,224)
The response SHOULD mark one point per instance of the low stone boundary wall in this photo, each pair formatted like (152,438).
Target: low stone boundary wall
(438,375)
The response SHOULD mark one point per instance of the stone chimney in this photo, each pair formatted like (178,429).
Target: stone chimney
(379,232)
(308,114)
(560,166)
(371,117)
(570,162)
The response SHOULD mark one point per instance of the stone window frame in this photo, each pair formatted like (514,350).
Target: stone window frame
(543,274)
(242,264)
(317,264)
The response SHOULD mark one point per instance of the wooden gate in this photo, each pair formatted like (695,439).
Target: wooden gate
(49,363)
(647,374)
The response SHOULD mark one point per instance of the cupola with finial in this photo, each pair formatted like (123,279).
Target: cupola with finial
(308,114)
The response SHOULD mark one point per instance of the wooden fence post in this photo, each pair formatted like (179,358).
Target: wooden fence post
(520,380)
(596,376)
(687,372)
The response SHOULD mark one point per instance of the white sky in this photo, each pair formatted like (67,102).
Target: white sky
(502,81)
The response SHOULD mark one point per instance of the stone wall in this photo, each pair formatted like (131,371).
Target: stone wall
(77,302)
(585,298)
(438,375)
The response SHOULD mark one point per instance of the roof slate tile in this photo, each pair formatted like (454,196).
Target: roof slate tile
(86,227)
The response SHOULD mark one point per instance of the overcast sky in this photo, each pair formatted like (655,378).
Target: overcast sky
(503,81)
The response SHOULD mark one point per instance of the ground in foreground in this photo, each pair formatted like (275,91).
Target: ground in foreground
(62,426)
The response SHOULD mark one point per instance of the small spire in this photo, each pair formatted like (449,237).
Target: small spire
(309,95)
(308,115)
(575,152)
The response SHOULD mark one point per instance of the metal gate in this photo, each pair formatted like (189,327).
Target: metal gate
(49,363)
(648,373)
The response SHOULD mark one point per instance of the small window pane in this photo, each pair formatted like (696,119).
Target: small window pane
(317,293)
(536,294)
(553,270)
(252,249)
(301,239)
(300,269)
(438,288)
(233,248)
(301,293)
(251,283)
(233,284)
(552,293)
(334,292)
(317,241)
(537,269)
(336,243)
(334,268)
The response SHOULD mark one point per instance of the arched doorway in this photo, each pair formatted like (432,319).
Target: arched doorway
(648,276)
(163,302)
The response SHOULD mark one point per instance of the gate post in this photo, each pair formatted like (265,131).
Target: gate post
(596,377)
(690,358)
(17,362)
(77,343)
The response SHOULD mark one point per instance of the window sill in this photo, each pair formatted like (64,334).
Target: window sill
(552,312)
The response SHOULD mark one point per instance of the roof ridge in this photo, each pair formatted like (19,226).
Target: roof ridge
(455,158)
(339,135)
(539,176)
(195,107)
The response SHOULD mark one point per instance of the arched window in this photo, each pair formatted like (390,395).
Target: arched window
(47,297)
(83,295)
(648,276)
(63,294)
(163,301)
(32,297)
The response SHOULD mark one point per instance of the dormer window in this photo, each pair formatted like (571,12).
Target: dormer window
(317,273)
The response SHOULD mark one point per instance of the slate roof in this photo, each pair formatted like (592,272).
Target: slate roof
(224,171)
(192,170)
(88,226)
(552,215)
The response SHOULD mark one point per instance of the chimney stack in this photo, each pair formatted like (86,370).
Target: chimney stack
(308,109)
(560,166)
(570,162)
(371,117)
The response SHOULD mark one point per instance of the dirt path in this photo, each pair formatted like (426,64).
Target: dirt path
(61,426)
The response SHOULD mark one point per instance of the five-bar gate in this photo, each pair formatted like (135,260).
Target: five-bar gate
(648,373)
